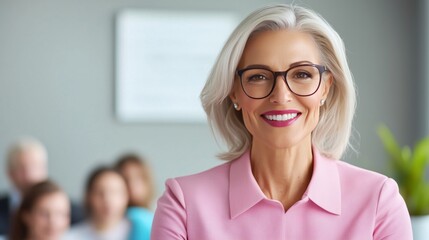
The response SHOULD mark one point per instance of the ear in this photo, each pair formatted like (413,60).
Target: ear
(326,84)
(233,97)
(233,94)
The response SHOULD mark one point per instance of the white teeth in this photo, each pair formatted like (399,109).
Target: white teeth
(281,117)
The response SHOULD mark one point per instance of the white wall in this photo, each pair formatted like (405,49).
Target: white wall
(57,83)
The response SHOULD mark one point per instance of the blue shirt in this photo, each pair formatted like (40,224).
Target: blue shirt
(141,223)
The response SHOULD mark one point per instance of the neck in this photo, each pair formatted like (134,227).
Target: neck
(104,224)
(282,174)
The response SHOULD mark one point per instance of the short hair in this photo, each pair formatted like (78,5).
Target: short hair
(332,133)
(22,145)
(141,163)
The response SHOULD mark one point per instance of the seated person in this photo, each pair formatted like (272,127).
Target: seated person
(106,200)
(138,177)
(26,164)
(44,214)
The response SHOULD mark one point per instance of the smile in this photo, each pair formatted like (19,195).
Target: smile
(281,117)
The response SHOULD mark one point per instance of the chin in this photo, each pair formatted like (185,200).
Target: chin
(52,236)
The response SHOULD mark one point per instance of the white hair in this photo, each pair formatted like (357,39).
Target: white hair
(23,145)
(332,133)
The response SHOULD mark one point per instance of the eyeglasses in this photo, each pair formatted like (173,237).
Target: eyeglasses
(303,80)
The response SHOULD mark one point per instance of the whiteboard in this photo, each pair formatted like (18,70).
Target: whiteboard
(163,59)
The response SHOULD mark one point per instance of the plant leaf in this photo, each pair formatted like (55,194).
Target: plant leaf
(399,157)
(419,160)
(409,167)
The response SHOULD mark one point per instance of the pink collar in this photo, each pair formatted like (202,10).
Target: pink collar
(324,188)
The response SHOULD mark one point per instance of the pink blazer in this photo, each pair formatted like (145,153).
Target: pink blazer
(225,203)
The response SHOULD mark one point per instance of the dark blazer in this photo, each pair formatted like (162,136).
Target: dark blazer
(4,214)
(76,214)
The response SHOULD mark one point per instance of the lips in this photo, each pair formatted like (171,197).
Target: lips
(281,118)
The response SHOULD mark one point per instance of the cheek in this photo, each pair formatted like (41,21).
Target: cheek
(138,188)
(250,119)
(123,201)
(313,108)
(31,221)
(118,199)
(38,223)
(61,223)
(95,203)
(249,106)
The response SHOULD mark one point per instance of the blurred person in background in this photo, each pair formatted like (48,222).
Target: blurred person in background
(138,177)
(44,213)
(106,200)
(26,164)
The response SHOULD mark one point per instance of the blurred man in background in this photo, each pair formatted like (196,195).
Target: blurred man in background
(26,164)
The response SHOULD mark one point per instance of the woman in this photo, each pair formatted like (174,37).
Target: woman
(138,177)
(44,214)
(281,96)
(106,200)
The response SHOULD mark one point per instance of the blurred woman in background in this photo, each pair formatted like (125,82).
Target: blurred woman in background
(44,214)
(106,200)
(138,177)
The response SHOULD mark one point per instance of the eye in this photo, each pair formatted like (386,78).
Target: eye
(257,77)
(302,75)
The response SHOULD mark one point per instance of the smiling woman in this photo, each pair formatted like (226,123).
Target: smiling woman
(282,97)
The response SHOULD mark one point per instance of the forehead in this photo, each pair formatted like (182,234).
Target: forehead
(132,168)
(54,199)
(29,156)
(108,179)
(278,49)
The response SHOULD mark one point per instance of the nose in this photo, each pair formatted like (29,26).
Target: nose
(281,92)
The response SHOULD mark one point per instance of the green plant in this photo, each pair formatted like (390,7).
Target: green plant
(408,167)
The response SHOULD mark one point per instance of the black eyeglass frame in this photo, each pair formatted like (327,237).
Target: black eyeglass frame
(321,69)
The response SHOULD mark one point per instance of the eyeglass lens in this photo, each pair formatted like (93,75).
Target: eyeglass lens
(301,80)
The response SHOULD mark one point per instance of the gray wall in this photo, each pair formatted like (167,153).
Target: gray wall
(424,45)
(57,83)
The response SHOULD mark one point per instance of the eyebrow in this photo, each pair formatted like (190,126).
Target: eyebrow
(299,63)
(268,67)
